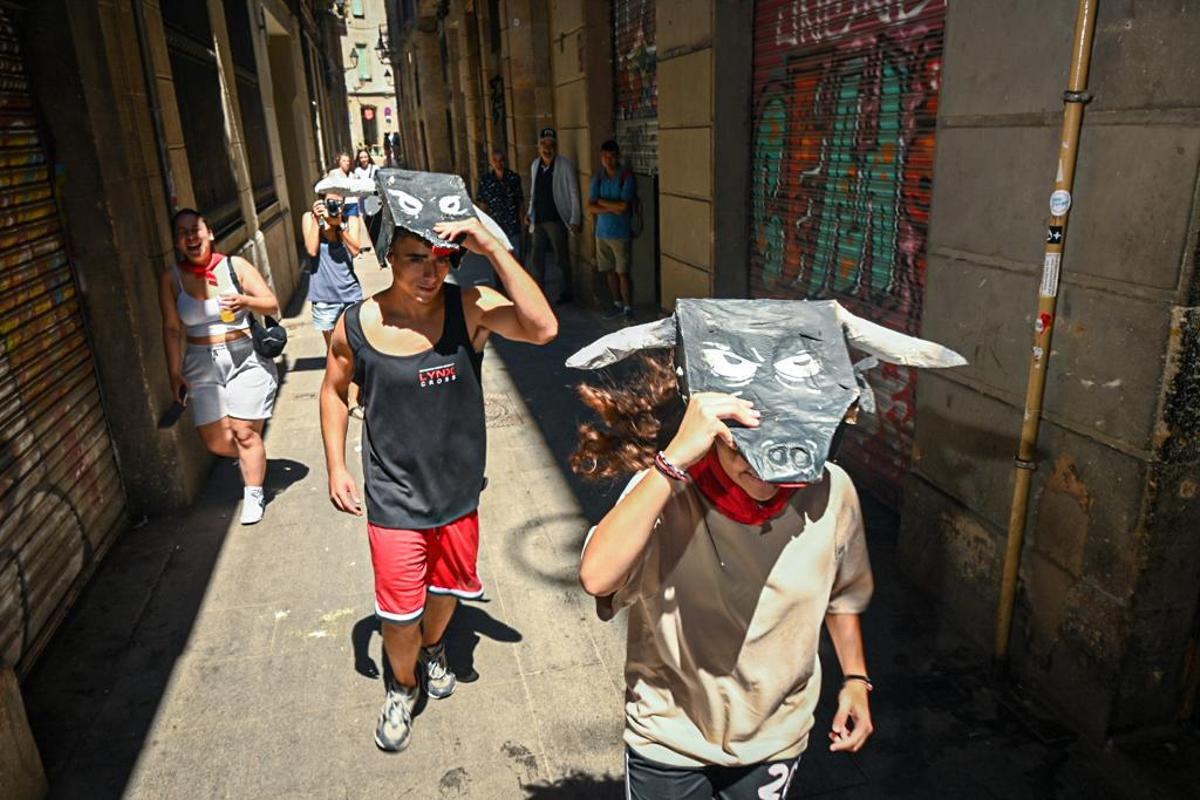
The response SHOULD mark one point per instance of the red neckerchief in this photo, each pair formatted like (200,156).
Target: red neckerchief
(209,273)
(730,499)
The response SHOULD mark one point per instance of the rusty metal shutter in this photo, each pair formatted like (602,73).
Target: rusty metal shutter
(845,108)
(61,499)
(635,89)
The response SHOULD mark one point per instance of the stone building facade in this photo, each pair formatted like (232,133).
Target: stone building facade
(370,84)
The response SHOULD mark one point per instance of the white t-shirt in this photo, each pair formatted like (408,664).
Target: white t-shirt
(725,619)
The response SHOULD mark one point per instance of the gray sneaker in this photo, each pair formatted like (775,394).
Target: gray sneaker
(439,680)
(395,720)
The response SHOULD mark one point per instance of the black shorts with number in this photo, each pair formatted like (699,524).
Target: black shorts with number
(649,780)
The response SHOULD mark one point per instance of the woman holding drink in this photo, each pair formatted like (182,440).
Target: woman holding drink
(229,387)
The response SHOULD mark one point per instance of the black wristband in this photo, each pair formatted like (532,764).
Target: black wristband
(861,679)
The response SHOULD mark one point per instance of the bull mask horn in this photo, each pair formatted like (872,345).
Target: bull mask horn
(621,344)
(344,184)
(895,348)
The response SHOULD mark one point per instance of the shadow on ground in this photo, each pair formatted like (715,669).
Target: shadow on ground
(577,786)
(94,693)
(469,623)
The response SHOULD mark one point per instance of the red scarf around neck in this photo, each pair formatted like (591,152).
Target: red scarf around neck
(209,272)
(729,498)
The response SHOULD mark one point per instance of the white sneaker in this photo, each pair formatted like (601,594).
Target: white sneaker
(253,505)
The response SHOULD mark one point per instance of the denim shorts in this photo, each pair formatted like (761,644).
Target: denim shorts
(325,315)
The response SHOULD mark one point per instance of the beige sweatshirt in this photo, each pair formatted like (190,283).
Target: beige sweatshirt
(724,622)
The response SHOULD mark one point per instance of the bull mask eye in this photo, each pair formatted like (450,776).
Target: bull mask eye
(408,204)
(797,367)
(451,204)
(728,365)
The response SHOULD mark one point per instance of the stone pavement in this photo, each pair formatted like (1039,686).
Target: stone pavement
(208,660)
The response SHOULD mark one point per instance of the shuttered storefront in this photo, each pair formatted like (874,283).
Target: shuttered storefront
(60,495)
(845,105)
(636,84)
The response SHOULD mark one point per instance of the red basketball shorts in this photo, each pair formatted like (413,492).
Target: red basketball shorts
(409,563)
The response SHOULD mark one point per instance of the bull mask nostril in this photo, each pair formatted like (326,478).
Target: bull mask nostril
(777,455)
(801,458)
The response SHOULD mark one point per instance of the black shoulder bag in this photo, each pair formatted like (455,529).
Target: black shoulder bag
(269,336)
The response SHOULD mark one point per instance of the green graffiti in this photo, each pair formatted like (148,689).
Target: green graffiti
(770,236)
(858,222)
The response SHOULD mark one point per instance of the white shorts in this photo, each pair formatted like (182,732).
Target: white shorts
(229,380)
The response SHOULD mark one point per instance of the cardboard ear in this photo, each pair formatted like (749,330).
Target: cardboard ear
(895,348)
(623,343)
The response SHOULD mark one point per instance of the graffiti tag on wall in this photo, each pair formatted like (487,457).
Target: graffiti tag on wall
(635,62)
(845,107)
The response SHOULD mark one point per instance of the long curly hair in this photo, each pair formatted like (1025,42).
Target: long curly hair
(638,417)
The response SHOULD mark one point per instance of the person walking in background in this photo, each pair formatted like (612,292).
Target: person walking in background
(229,387)
(613,193)
(343,167)
(501,196)
(332,239)
(553,210)
(418,345)
(365,170)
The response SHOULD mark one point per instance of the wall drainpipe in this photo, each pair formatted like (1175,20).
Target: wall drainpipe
(1074,99)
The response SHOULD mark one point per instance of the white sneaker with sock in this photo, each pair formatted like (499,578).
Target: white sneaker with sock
(252,505)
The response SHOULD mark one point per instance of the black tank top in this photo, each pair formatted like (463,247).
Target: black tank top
(424,435)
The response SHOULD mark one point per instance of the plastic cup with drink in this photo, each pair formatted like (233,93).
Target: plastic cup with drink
(225,290)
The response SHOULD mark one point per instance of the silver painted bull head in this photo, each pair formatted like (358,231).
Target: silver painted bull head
(790,357)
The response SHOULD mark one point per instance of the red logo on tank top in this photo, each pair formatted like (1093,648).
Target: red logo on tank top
(431,376)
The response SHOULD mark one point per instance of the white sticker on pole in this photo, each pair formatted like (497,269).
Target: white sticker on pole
(1050,274)
(1060,202)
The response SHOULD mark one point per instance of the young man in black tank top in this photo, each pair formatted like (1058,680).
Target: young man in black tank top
(415,349)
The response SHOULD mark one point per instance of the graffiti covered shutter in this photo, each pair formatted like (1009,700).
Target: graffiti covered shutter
(61,499)
(845,108)
(635,76)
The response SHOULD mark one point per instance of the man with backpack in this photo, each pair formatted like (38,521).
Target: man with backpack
(612,200)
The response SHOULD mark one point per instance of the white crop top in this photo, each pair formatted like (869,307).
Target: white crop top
(202,318)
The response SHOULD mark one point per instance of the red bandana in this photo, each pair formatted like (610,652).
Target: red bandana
(209,273)
(731,499)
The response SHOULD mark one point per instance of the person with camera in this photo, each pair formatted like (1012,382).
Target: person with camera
(208,298)
(332,239)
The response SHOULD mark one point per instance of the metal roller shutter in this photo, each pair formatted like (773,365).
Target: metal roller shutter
(636,84)
(845,109)
(60,494)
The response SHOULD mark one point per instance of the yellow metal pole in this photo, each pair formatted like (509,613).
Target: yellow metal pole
(1074,99)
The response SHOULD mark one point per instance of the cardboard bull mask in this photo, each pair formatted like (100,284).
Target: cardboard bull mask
(790,357)
(416,201)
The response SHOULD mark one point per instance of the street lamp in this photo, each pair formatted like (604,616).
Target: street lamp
(383,47)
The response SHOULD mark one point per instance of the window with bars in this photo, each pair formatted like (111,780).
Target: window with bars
(250,106)
(198,95)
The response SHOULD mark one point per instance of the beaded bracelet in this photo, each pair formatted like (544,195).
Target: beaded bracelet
(664,465)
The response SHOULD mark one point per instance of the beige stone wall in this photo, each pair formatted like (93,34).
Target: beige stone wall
(685,152)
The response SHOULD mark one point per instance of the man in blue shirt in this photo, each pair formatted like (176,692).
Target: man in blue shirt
(614,192)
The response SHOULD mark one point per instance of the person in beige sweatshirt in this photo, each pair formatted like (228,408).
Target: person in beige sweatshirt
(736,538)
(727,580)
